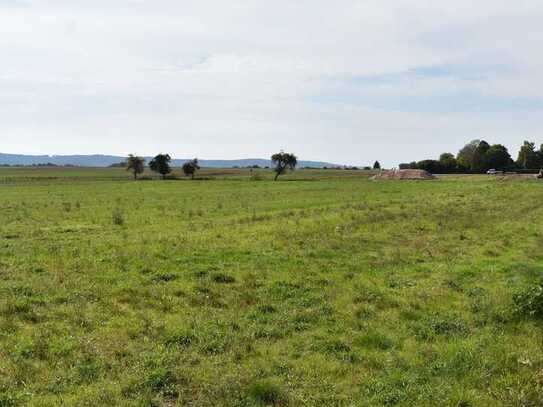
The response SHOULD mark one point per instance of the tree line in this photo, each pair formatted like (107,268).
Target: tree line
(478,156)
(282,162)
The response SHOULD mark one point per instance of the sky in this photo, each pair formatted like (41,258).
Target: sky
(346,81)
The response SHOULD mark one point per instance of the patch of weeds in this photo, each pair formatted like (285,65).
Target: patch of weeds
(267,393)
(304,319)
(182,339)
(267,309)
(338,349)
(364,312)
(117,217)
(410,315)
(38,348)
(11,236)
(388,392)
(263,313)
(529,302)
(269,333)
(22,291)
(453,285)
(376,297)
(398,283)
(475,292)
(204,296)
(450,325)
(223,278)
(214,338)
(88,371)
(215,345)
(375,340)
(9,400)
(159,381)
(21,308)
(284,290)
(457,361)
(334,347)
(24,350)
(164,278)
(201,274)
(309,300)
(162,380)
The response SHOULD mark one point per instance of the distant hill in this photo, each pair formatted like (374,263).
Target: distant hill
(107,160)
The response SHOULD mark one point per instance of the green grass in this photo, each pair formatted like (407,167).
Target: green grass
(54,175)
(330,290)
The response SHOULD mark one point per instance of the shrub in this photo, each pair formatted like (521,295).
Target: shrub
(530,301)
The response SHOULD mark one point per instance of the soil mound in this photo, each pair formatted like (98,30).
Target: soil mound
(404,175)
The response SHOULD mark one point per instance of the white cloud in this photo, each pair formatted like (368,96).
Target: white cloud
(350,81)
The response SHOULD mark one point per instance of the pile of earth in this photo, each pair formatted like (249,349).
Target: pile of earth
(404,175)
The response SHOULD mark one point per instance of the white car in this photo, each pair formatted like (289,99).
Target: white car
(492,171)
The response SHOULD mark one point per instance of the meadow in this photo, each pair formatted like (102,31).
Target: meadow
(322,289)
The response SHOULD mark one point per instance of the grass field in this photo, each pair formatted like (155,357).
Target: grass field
(330,290)
(18,175)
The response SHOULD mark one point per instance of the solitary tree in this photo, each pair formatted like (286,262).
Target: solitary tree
(376,165)
(283,162)
(161,164)
(135,164)
(190,167)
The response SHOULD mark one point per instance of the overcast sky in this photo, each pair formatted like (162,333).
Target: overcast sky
(344,81)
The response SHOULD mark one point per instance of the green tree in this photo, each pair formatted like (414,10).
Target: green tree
(190,168)
(448,162)
(135,164)
(432,166)
(464,157)
(376,165)
(527,156)
(498,157)
(161,164)
(282,162)
(478,160)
